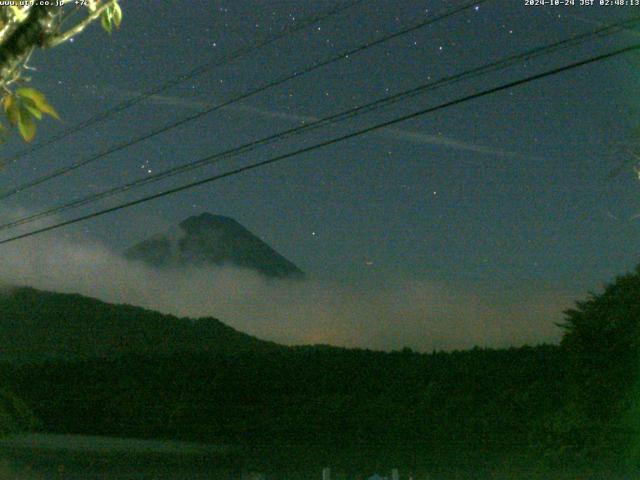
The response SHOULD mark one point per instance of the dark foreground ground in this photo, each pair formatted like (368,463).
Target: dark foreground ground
(40,457)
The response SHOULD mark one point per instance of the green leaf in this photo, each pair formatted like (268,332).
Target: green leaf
(32,94)
(12,109)
(7,100)
(34,111)
(26,125)
(32,107)
(105,20)
(117,14)
(35,98)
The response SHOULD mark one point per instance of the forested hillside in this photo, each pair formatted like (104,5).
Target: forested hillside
(40,325)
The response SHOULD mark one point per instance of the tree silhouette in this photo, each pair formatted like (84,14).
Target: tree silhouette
(602,340)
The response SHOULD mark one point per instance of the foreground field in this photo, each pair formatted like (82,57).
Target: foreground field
(76,457)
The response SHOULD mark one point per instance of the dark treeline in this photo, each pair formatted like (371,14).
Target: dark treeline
(298,395)
(573,404)
(400,405)
(318,396)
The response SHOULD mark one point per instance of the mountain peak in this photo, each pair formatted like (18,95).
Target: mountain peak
(207,220)
(208,239)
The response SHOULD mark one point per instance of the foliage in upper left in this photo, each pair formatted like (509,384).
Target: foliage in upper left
(25,28)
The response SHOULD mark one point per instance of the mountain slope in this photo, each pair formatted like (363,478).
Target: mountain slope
(44,324)
(209,239)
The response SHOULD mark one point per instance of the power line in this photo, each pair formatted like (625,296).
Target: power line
(332,141)
(243,96)
(239,53)
(491,67)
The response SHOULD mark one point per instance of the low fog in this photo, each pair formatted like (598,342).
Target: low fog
(401,312)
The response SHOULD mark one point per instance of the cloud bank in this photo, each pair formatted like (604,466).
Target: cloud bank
(399,312)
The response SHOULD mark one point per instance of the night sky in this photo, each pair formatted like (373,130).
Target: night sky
(506,191)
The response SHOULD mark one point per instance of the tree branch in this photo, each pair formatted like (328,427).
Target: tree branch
(11,21)
(72,32)
(30,34)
